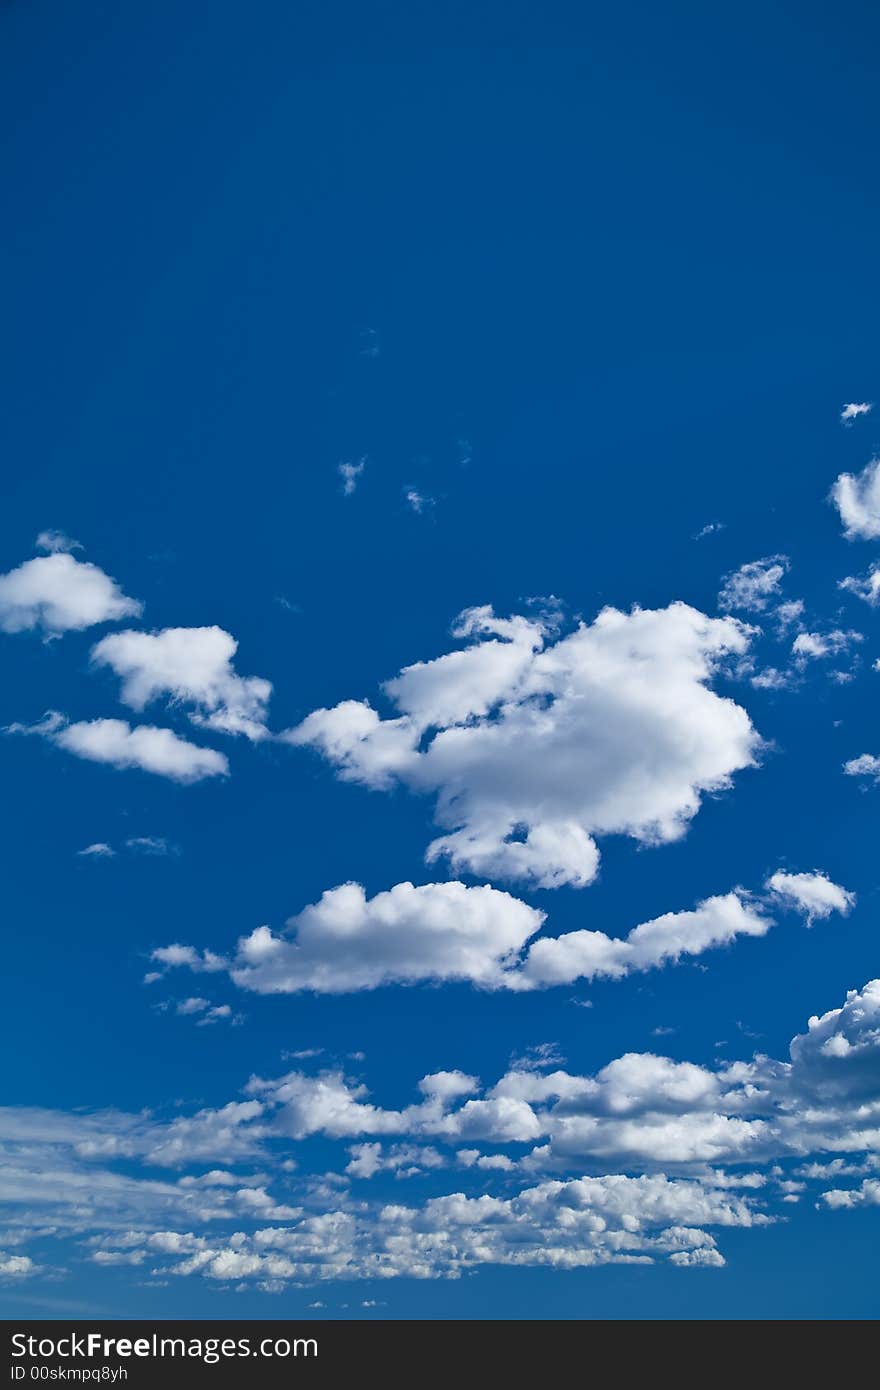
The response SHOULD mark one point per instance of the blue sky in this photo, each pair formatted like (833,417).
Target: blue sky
(586,292)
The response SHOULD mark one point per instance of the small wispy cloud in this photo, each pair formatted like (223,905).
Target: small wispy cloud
(150,844)
(753,585)
(417,501)
(56,542)
(369,342)
(853,410)
(350,473)
(206,1013)
(709,529)
(154,845)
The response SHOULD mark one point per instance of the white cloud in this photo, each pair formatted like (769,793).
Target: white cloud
(16,1266)
(867,587)
(853,410)
(174,955)
(591,954)
(651,1132)
(205,1012)
(753,585)
(814,894)
(535,746)
(350,473)
(857,498)
(771,678)
(564,1225)
(97,851)
(57,593)
(788,614)
(404,1160)
(710,529)
(641,1109)
(153,845)
(865,765)
(866,1194)
(814,646)
(440,931)
(417,501)
(115,742)
(192,1006)
(450,932)
(188,665)
(52,542)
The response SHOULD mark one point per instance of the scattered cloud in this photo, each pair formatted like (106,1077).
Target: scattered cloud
(346,942)
(205,1012)
(813,894)
(866,587)
(788,614)
(665,1143)
(57,593)
(189,666)
(350,473)
(97,851)
(710,529)
(865,765)
(417,501)
(53,542)
(154,845)
(857,498)
(495,730)
(116,743)
(853,410)
(813,646)
(754,585)
(450,932)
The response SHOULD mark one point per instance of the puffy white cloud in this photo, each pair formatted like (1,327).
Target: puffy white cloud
(404,1160)
(450,932)
(865,765)
(813,894)
(857,498)
(533,746)
(188,665)
(16,1266)
(115,742)
(440,931)
(754,585)
(57,594)
(175,954)
(97,851)
(839,1055)
(853,410)
(866,1194)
